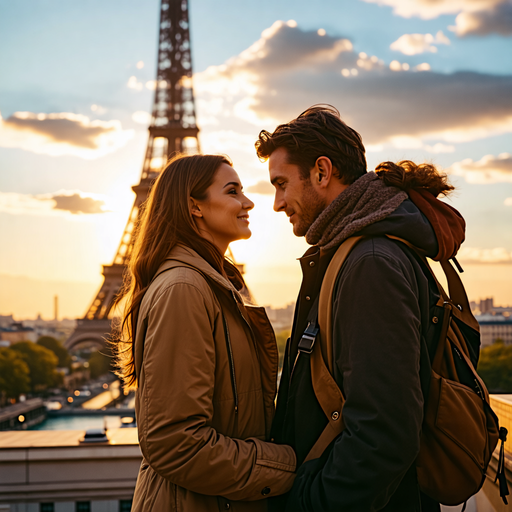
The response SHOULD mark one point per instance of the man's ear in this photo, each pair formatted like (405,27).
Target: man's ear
(322,171)
(194,208)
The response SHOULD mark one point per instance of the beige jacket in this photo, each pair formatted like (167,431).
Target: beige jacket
(205,401)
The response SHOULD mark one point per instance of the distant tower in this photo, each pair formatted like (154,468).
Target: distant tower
(173,128)
(56,308)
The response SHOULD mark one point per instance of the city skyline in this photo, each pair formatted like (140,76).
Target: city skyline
(419,80)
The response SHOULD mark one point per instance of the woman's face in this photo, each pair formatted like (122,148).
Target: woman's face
(223,216)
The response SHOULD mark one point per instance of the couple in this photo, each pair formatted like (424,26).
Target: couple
(204,361)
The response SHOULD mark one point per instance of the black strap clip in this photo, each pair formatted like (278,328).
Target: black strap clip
(307,342)
(501,477)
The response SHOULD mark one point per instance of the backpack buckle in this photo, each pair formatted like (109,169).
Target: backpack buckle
(307,342)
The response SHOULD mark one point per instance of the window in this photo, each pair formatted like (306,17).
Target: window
(125,505)
(83,506)
(46,507)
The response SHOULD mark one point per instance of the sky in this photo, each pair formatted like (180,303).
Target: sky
(425,80)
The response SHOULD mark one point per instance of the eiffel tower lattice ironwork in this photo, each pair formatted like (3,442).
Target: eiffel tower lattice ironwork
(173,129)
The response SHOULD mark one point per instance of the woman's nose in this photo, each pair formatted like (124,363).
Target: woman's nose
(248,204)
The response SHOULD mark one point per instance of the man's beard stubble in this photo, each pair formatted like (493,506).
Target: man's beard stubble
(312,205)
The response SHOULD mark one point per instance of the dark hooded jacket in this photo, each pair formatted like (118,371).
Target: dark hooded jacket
(384,302)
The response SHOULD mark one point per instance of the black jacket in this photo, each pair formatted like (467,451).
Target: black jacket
(382,329)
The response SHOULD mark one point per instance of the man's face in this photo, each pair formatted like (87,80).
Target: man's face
(296,197)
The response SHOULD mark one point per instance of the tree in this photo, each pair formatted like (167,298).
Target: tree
(281,338)
(14,374)
(42,364)
(495,367)
(100,363)
(56,347)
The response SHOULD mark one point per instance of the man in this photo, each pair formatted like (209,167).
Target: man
(382,314)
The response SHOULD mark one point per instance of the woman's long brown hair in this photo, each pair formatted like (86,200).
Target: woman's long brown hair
(165,221)
(407,175)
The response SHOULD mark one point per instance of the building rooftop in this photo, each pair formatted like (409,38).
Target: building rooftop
(503,398)
(493,319)
(15,328)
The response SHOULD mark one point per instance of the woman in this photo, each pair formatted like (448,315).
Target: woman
(204,364)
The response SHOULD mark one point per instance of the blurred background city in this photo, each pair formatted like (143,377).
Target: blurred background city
(82,83)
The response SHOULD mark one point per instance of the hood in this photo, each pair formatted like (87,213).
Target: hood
(426,222)
(448,224)
(181,255)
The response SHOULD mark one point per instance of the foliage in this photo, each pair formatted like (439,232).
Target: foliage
(42,364)
(281,338)
(56,347)
(495,367)
(14,374)
(100,363)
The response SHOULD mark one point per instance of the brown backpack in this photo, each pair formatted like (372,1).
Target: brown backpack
(460,430)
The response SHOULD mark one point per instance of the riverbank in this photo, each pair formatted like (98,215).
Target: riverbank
(84,421)
(23,415)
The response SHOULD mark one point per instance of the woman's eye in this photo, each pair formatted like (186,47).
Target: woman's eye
(232,191)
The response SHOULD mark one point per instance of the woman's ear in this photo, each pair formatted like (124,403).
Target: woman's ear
(194,208)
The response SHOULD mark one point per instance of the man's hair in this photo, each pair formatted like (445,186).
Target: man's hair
(318,131)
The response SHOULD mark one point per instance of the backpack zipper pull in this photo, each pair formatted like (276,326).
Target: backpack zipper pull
(500,471)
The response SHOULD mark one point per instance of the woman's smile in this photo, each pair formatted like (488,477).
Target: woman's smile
(223,216)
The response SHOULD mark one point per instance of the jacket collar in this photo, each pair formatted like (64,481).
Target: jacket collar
(183,256)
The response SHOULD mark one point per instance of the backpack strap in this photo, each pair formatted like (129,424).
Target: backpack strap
(325,300)
(326,389)
(455,287)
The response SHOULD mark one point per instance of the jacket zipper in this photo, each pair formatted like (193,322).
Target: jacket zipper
(231,362)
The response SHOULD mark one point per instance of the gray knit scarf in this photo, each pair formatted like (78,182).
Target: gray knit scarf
(366,201)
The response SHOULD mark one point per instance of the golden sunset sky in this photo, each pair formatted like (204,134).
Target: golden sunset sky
(419,79)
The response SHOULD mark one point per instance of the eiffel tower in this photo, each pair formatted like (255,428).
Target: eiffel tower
(173,129)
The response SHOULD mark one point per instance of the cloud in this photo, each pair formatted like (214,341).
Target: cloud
(98,109)
(63,202)
(413,44)
(394,65)
(289,69)
(496,20)
(262,188)
(76,204)
(62,134)
(489,169)
(508,201)
(429,9)
(475,255)
(151,84)
(474,17)
(227,141)
(439,148)
(141,117)
(133,83)
(425,66)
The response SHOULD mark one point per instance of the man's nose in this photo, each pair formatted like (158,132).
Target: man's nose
(279,203)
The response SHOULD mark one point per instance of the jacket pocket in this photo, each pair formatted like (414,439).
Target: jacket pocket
(153,493)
